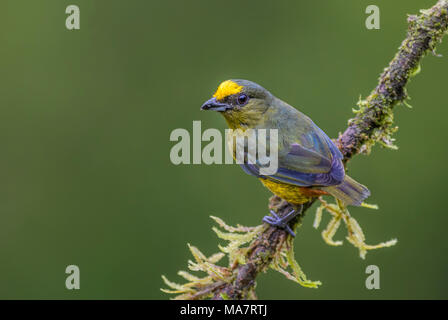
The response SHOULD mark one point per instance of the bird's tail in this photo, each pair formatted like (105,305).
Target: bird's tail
(349,192)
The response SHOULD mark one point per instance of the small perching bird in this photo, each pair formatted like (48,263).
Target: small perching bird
(309,163)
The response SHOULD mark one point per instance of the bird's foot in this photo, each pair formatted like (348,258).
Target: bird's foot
(282,222)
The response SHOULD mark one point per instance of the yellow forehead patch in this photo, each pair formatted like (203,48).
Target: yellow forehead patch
(226,89)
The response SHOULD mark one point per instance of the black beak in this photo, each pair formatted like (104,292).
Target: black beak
(213,104)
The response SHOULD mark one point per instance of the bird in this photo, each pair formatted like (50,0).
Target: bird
(309,163)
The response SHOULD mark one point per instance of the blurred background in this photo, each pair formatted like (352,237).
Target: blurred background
(85,120)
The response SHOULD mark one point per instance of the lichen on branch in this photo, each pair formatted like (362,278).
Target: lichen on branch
(355,235)
(373,121)
(249,250)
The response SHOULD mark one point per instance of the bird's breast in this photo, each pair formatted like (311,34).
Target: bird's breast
(291,193)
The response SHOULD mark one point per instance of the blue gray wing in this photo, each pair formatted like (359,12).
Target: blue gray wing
(311,160)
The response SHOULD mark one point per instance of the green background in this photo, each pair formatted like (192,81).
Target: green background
(86,116)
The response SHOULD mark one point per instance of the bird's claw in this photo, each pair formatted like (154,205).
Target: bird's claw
(278,222)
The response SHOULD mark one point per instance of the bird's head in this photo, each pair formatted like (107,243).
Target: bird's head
(242,103)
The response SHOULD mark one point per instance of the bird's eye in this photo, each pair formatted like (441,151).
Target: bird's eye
(242,99)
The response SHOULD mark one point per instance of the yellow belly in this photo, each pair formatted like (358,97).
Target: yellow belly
(292,194)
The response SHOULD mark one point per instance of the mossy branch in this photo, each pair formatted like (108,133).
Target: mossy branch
(256,249)
(374,117)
